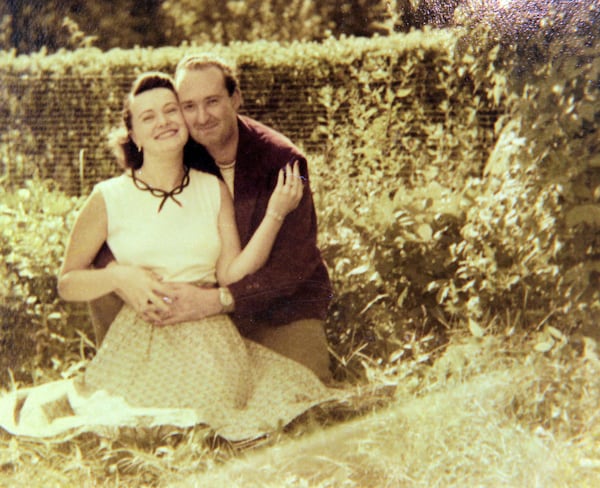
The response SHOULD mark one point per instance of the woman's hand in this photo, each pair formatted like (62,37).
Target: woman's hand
(287,193)
(143,290)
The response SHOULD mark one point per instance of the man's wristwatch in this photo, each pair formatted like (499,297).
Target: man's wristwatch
(226,299)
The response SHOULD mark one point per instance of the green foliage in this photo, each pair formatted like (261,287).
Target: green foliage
(491,411)
(551,91)
(39,332)
(53,25)
(410,156)
(303,20)
(58,108)
(429,222)
(226,22)
(437,234)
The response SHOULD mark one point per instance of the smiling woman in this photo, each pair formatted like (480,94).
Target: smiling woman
(146,374)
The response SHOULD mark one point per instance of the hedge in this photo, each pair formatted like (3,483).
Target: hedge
(56,110)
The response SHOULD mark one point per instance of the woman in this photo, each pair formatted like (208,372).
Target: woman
(164,221)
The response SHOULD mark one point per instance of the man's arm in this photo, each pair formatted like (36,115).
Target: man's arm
(294,258)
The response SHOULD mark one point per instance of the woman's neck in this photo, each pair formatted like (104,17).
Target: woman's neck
(164,173)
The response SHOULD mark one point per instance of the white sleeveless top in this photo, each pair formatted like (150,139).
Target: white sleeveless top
(178,243)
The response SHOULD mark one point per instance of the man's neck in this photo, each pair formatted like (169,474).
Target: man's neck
(225,153)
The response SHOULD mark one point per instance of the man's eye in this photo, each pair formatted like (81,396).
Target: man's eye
(188,107)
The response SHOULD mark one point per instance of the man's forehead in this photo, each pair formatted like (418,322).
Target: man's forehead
(202,80)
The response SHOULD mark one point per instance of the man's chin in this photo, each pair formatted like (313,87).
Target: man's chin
(204,140)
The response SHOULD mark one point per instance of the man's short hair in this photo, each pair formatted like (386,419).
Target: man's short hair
(197,62)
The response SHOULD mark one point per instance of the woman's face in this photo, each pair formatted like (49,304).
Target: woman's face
(157,125)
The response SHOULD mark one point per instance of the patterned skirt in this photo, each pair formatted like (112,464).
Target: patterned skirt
(200,372)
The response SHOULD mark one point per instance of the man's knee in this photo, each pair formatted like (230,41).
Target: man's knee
(304,341)
(103,311)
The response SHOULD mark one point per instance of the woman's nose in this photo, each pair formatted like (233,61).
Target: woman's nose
(162,119)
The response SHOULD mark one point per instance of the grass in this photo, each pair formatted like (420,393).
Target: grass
(491,411)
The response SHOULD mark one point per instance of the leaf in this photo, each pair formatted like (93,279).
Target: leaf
(402,297)
(557,334)
(425,232)
(442,294)
(476,329)
(372,302)
(544,346)
(403,92)
(358,270)
(396,355)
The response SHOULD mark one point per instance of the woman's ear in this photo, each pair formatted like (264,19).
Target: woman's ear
(132,137)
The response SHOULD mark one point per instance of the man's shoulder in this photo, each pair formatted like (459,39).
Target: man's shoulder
(257,137)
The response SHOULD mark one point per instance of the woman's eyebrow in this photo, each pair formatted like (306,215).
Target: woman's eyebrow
(148,110)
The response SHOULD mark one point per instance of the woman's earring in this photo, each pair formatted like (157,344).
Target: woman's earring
(139,148)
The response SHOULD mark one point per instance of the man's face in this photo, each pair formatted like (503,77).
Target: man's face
(209,111)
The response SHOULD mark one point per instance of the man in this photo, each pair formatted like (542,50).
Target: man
(282,306)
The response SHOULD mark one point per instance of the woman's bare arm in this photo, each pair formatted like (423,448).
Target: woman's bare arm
(234,264)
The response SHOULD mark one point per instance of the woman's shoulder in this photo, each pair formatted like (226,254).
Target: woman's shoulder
(115,181)
(112,186)
(198,177)
(205,188)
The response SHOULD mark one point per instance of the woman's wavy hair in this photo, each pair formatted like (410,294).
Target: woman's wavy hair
(120,140)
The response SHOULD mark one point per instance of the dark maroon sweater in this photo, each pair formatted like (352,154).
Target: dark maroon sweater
(294,283)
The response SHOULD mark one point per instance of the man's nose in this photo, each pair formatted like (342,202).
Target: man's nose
(201,115)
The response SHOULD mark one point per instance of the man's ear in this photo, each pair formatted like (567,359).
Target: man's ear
(236,99)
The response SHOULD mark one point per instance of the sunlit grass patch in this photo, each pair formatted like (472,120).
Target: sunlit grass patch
(478,422)
(491,411)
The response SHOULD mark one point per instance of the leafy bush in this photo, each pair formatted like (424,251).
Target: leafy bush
(408,179)
(552,85)
(39,332)
(436,234)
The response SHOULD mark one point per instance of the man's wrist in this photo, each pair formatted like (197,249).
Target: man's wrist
(226,300)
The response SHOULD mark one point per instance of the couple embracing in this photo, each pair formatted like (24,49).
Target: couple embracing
(209,239)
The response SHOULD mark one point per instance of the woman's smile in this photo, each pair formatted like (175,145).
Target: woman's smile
(167,133)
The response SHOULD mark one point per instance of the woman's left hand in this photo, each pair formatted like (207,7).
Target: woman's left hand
(287,193)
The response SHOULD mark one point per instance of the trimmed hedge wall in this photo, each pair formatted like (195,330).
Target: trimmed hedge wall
(56,109)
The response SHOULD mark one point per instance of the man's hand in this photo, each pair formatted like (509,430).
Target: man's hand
(189,302)
(143,290)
